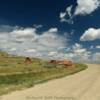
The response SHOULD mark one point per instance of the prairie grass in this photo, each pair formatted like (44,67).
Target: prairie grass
(16,75)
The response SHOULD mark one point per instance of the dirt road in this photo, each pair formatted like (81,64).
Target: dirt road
(84,85)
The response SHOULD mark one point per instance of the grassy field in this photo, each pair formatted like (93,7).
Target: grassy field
(16,75)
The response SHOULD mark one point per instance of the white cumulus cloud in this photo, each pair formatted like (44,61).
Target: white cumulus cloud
(47,45)
(62,16)
(98,46)
(90,35)
(30,50)
(53,30)
(68,10)
(96,57)
(78,53)
(85,7)
(67,15)
(27,41)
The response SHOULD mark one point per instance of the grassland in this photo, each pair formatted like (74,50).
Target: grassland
(16,75)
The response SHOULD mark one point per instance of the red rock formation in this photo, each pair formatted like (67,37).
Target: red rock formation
(28,60)
(64,62)
(53,62)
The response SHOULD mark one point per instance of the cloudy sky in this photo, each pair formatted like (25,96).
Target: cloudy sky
(51,29)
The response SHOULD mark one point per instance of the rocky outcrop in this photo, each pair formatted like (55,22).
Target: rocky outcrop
(63,62)
(28,60)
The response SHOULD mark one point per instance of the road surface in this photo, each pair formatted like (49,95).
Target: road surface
(84,85)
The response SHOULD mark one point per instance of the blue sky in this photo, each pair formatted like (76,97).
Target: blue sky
(53,29)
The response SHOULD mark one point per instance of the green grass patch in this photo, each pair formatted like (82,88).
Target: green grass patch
(16,75)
